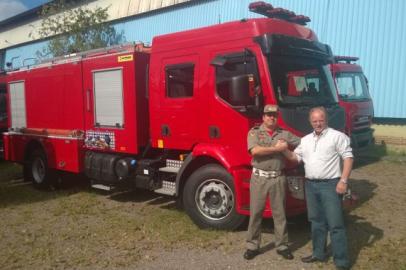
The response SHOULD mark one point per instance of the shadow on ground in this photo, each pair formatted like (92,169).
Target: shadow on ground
(15,191)
(369,155)
(360,232)
(298,229)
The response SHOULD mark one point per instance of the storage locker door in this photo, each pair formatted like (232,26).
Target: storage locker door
(17,105)
(108,96)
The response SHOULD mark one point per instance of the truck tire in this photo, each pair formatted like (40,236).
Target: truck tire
(209,199)
(37,171)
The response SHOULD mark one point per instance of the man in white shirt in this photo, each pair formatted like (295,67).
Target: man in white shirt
(328,159)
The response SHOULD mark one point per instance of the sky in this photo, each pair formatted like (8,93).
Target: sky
(9,8)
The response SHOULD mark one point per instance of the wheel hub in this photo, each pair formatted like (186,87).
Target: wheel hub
(214,199)
(38,170)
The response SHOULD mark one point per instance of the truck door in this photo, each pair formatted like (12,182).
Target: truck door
(175,109)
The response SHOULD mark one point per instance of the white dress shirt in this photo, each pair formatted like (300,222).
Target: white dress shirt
(322,154)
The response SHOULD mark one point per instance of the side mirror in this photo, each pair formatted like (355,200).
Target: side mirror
(219,61)
(240,90)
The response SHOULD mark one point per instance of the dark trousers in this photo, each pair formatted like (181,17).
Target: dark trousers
(324,206)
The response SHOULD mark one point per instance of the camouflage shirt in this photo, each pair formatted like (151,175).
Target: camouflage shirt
(259,136)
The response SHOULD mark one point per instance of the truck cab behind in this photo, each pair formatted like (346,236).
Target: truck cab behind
(354,97)
(3,111)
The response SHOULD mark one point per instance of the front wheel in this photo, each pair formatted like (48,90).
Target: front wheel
(209,198)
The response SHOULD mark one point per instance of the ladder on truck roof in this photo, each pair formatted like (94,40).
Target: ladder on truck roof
(73,57)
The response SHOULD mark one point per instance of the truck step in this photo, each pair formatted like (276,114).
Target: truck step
(172,166)
(169,169)
(102,187)
(168,188)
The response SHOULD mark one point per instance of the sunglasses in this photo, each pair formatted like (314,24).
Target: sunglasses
(274,114)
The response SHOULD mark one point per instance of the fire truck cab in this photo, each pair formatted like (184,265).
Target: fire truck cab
(354,97)
(3,109)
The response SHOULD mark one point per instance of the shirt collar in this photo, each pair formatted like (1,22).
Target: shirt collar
(323,132)
(262,128)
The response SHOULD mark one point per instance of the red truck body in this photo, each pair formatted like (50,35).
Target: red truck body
(173,118)
(354,97)
(3,109)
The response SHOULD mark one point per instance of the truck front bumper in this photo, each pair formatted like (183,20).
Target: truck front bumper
(362,138)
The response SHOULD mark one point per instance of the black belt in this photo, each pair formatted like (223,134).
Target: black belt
(321,180)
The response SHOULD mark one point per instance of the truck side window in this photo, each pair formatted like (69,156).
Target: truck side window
(237,64)
(179,80)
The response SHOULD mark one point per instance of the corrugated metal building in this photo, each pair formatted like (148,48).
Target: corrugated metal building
(373,30)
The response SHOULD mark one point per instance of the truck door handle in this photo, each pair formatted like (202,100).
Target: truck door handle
(214,132)
(88,100)
(165,131)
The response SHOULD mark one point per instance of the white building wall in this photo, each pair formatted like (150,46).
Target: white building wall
(117,9)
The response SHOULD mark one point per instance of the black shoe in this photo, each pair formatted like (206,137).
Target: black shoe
(285,253)
(250,254)
(342,268)
(311,259)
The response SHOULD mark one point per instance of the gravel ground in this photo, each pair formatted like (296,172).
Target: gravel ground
(78,229)
(376,231)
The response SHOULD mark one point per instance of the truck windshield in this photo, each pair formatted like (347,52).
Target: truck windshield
(352,86)
(301,81)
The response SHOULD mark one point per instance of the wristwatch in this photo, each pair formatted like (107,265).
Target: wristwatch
(344,181)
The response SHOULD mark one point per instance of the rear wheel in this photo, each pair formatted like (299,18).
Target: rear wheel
(37,171)
(209,198)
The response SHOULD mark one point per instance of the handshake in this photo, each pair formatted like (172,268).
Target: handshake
(281,145)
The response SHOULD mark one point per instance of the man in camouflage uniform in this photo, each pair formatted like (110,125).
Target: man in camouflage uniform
(266,144)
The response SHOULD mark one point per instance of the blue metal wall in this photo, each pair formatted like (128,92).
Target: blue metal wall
(24,55)
(373,30)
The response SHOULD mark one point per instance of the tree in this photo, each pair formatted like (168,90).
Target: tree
(75,29)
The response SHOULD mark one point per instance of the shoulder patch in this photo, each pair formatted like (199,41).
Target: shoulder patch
(253,131)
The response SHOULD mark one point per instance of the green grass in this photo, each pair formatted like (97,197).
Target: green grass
(384,150)
(374,153)
(78,227)
(9,171)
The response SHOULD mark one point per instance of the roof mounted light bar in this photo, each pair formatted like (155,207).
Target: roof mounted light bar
(269,11)
(346,59)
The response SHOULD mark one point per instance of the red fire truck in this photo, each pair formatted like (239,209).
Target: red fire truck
(353,96)
(173,118)
(3,109)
